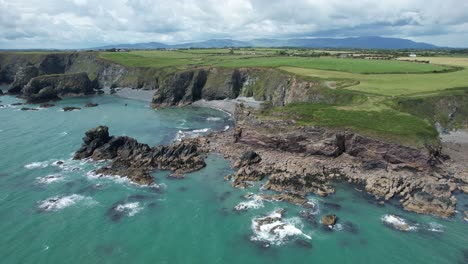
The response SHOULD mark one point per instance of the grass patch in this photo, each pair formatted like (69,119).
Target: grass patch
(389,125)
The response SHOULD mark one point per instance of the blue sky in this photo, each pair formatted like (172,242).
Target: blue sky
(87,23)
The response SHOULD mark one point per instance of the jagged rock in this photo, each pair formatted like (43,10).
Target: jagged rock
(432,199)
(46,105)
(299,183)
(329,220)
(466,215)
(22,78)
(29,109)
(54,87)
(91,104)
(15,104)
(135,160)
(247,159)
(290,198)
(70,108)
(1,92)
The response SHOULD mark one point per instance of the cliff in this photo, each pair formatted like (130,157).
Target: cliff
(172,87)
(53,87)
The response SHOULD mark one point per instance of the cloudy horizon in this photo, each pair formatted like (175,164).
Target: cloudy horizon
(83,24)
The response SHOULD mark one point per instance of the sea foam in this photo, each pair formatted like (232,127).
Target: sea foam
(130,209)
(276,231)
(57,203)
(397,222)
(49,179)
(256,202)
(36,165)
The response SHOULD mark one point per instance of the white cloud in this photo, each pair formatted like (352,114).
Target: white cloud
(83,23)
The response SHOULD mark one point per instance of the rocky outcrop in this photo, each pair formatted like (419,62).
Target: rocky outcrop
(136,160)
(70,108)
(329,220)
(89,104)
(53,87)
(298,160)
(22,77)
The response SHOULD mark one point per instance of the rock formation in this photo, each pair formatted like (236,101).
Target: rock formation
(301,160)
(329,220)
(136,160)
(22,78)
(53,87)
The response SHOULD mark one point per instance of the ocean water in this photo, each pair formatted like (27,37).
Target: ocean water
(52,213)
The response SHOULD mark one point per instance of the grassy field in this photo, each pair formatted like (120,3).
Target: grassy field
(260,58)
(383,86)
(392,84)
(386,124)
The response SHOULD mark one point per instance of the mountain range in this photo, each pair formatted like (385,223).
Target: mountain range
(353,43)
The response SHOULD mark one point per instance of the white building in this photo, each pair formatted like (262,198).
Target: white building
(412,55)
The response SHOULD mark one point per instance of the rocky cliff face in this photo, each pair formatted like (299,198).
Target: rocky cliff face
(171,87)
(22,77)
(52,87)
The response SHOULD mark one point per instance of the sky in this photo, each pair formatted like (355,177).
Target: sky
(86,23)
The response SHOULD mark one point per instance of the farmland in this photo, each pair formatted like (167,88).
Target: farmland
(391,92)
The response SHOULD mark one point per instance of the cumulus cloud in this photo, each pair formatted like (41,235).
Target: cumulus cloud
(85,23)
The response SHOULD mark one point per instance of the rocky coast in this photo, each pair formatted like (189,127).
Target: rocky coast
(292,160)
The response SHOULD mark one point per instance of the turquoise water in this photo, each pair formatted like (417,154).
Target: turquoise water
(104,220)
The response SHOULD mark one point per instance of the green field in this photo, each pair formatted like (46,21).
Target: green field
(260,58)
(393,97)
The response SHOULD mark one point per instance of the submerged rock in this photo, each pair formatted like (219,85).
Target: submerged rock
(70,108)
(135,160)
(397,223)
(329,220)
(91,104)
(46,105)
(29,109)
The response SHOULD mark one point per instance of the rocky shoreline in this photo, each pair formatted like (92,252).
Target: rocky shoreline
(298,160)
(295,161)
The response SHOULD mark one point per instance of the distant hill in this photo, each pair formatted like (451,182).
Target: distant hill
(355,43)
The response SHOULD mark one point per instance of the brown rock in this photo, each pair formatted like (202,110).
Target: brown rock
(329,220)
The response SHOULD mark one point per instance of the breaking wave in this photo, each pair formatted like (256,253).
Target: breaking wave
(36,165)
(274,230)
(57,203)
(130,209)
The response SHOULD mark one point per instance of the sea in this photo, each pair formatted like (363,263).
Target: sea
(56,210)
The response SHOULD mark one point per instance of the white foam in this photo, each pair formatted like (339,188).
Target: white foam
(57,203)
(337,227)
(130,208)
(213,119)
(255,203)
(278,231)
(435,227)
(191,133)
(49,179)
(63,134)
(397,223)
(36,165)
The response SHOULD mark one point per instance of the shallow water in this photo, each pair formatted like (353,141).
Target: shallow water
(63,214)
